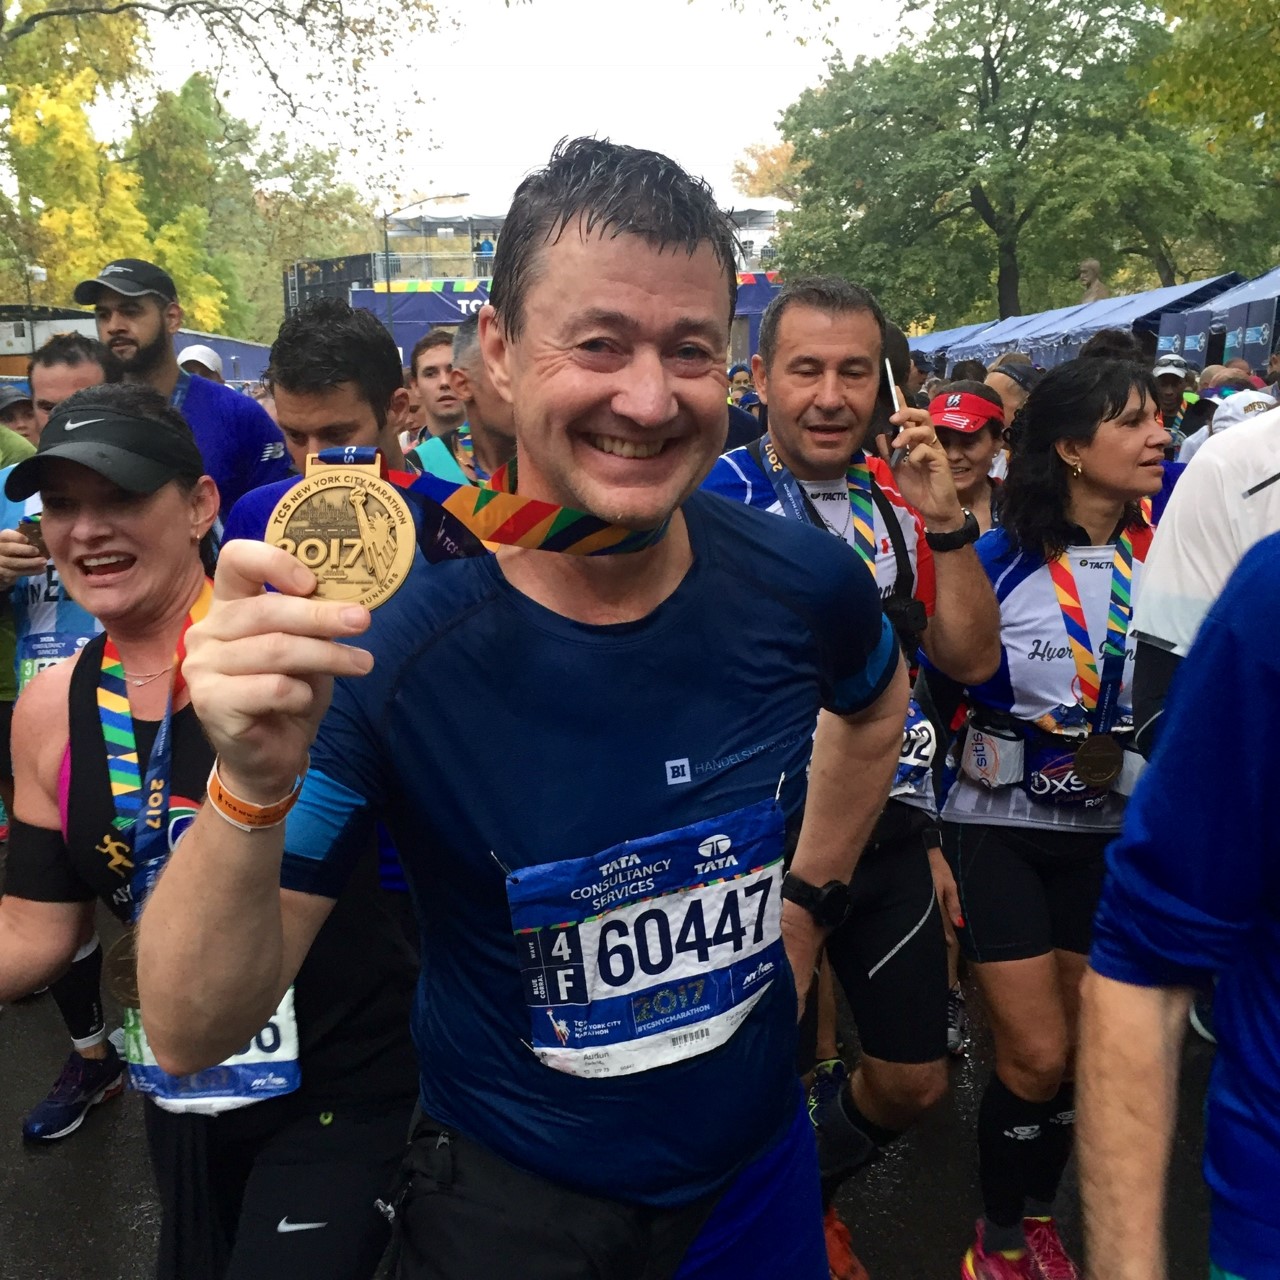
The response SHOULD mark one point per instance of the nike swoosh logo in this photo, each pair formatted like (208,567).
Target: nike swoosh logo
(284,1225)
(84,422)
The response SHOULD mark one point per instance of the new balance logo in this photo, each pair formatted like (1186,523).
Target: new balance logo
(271,452)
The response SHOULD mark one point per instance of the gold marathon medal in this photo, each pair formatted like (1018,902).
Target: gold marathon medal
(120,970)
(1099,760)
(350,527)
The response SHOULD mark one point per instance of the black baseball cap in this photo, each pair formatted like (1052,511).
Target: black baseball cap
(129,276)
(138,453)
(11,395)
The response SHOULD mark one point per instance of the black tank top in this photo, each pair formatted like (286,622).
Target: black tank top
(355,989)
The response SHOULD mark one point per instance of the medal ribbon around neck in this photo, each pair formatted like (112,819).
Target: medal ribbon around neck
(857,477)
(495,513)
(150,843)
(1099,695)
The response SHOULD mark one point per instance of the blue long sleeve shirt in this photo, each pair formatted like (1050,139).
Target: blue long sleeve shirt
(1193,892)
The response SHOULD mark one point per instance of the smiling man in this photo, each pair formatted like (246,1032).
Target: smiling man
(611,950)
(136,307)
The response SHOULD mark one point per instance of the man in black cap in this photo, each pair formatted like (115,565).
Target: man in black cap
(137,310)
(18,414)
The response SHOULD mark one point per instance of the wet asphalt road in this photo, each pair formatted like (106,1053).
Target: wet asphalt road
(83,1208)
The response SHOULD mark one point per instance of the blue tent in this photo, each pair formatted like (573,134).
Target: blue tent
(940,341)
(1009,334)
(1051,337)
(1260,289)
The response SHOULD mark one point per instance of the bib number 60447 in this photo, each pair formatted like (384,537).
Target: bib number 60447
(652,941)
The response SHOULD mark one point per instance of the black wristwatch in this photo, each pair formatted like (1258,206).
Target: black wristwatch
(828,906)
(957,538)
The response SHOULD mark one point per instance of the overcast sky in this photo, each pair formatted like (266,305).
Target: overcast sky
(697,79)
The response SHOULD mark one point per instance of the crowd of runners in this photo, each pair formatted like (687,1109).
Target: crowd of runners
(498,767)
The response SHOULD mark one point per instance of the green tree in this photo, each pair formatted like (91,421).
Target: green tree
(1223,70)
(997,150)
(261,205)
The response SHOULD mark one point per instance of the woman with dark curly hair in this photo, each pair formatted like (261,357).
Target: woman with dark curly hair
(1043,772)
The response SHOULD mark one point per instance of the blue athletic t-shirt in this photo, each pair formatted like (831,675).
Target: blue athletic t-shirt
(1193,891)
(241,447)
(608,792)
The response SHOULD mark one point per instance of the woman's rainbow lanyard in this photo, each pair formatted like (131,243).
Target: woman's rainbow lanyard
(496,513)
(124,774)
(1093,689)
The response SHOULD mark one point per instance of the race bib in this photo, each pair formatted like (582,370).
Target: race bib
(43,649)
(655,950)
(919,746)
(265,1068)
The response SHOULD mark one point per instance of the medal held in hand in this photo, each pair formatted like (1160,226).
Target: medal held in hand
(1099,760)
(350,527)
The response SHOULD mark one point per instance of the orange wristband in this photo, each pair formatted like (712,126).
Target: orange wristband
(246,815)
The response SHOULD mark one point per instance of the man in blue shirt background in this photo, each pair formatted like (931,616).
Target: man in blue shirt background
(138,313)
(1193,894)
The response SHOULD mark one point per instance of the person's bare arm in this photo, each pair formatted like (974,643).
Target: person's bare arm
(963,636)
(220,941)
(1127,1099)
(853,763)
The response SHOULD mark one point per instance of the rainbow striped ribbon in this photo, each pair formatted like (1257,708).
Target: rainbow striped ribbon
(496,513)
(116,719)
(1119,615)
(468,447)
(864,520)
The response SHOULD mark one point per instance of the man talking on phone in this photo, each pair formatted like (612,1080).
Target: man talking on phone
(834,417)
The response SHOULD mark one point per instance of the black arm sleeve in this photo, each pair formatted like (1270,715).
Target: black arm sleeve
(39,866)
(1153,672)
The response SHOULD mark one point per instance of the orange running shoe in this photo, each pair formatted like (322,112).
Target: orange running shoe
(841,1260)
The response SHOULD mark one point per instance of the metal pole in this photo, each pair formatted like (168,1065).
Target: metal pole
(386,256)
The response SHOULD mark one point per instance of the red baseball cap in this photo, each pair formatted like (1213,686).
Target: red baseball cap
(964,411)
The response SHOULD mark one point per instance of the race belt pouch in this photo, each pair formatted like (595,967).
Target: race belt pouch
(1050,776)
(993,754)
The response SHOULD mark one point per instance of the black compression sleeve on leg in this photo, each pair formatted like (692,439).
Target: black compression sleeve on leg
(1050,1155)
(78,994)
(1010,1133)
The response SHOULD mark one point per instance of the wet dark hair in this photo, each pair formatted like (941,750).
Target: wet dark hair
(967,386)
(1113,344)
(77,349)
(327,342)
(614,190)
(829,294)
(1069,403)
(141,401)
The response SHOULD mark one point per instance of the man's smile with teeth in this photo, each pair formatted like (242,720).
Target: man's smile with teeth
(627,448)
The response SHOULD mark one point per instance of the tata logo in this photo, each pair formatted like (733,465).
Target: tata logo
(715,846)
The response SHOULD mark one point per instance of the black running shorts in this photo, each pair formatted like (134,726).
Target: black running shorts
(288,1191)
(1024,891)
(890,955)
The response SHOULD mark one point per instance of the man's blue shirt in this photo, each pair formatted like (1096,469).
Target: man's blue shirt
(1193,892)
(502,742)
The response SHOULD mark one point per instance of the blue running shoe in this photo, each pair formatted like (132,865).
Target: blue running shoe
(829,1077)
(84,1083)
